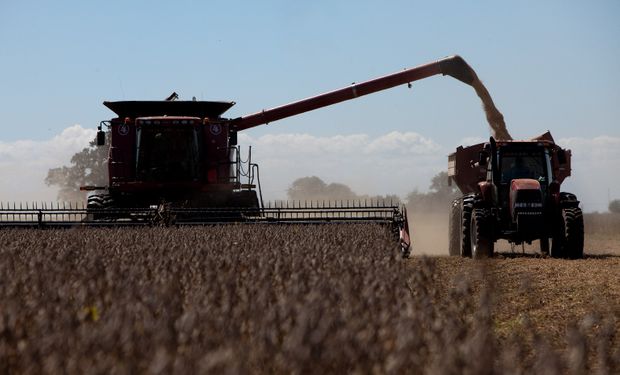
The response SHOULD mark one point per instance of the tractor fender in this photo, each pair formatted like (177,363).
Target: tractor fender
(568,200)
(486,192)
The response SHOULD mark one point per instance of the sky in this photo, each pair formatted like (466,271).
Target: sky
(549,65)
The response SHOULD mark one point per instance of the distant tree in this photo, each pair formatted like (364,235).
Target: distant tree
(337,191)
(614,206)
(306,187)
(437,199)
(387,199)
(88,167)
(440,185)
(315,189)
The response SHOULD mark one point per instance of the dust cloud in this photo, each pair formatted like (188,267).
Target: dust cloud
(429,232)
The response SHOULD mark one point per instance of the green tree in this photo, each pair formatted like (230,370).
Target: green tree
(306,187)
(87,167)
(437,199)
(315,189)
(614,206)
(440,185)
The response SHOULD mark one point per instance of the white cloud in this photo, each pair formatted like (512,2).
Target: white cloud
(395,162)
(595,166)
(470,141)
(24,163)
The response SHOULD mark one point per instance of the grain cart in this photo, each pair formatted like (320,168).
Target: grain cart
(511,190)
(178,162)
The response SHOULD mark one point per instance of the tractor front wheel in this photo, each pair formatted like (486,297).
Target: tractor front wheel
(573,221)
(544,245)
(482,244)
(465,235)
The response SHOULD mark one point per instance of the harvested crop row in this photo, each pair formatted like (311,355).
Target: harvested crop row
(243,299)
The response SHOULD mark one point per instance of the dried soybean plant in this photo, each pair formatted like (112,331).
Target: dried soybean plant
(238,299)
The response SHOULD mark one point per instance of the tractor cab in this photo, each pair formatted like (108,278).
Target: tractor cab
(520,173)
(519,166)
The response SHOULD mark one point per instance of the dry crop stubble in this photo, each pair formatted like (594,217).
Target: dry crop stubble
(238,299)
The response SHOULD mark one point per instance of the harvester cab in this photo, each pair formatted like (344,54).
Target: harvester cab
(175,152)
(513,192)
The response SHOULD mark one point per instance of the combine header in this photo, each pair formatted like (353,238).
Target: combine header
(178,162)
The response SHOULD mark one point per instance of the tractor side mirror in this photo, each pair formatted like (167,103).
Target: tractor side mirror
(483,158)
(232,138)
(561,156)
(100,138)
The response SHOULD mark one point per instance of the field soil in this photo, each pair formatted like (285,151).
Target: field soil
(531,292)
(430,235)
(550,296)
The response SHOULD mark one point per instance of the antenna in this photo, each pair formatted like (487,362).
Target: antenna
(172,97)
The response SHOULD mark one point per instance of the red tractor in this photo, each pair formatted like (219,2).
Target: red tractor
(512,191)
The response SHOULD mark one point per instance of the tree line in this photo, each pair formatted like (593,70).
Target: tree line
(89,167)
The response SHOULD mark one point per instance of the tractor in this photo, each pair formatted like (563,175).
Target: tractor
(511,190)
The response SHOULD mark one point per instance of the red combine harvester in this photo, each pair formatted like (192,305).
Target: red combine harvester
(512,191)
(178,162)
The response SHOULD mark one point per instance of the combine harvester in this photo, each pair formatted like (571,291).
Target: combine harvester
(178,163)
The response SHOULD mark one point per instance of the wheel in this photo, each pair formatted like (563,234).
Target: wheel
(247,202)
(95,204)
(559,238)
(465,241)
(568,237)
(573,222)
(455,229)
(544,245)
(480,235)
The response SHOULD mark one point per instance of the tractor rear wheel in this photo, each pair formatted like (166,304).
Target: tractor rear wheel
(568,239)
(480,231)
(455,229)
(465,235)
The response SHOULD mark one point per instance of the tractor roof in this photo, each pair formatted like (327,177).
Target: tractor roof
(168,108)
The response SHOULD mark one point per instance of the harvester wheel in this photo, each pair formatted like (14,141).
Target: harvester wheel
(481,243)
(568,240)
(455,229)
(95,204)
(573,222)
(544,245)
(465,238)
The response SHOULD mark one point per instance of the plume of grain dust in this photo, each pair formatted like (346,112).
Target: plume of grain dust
(494,116)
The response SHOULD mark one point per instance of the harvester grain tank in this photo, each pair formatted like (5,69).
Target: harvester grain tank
(511,190)
(178,162)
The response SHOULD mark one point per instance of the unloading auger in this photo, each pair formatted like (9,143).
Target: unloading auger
(177,162)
